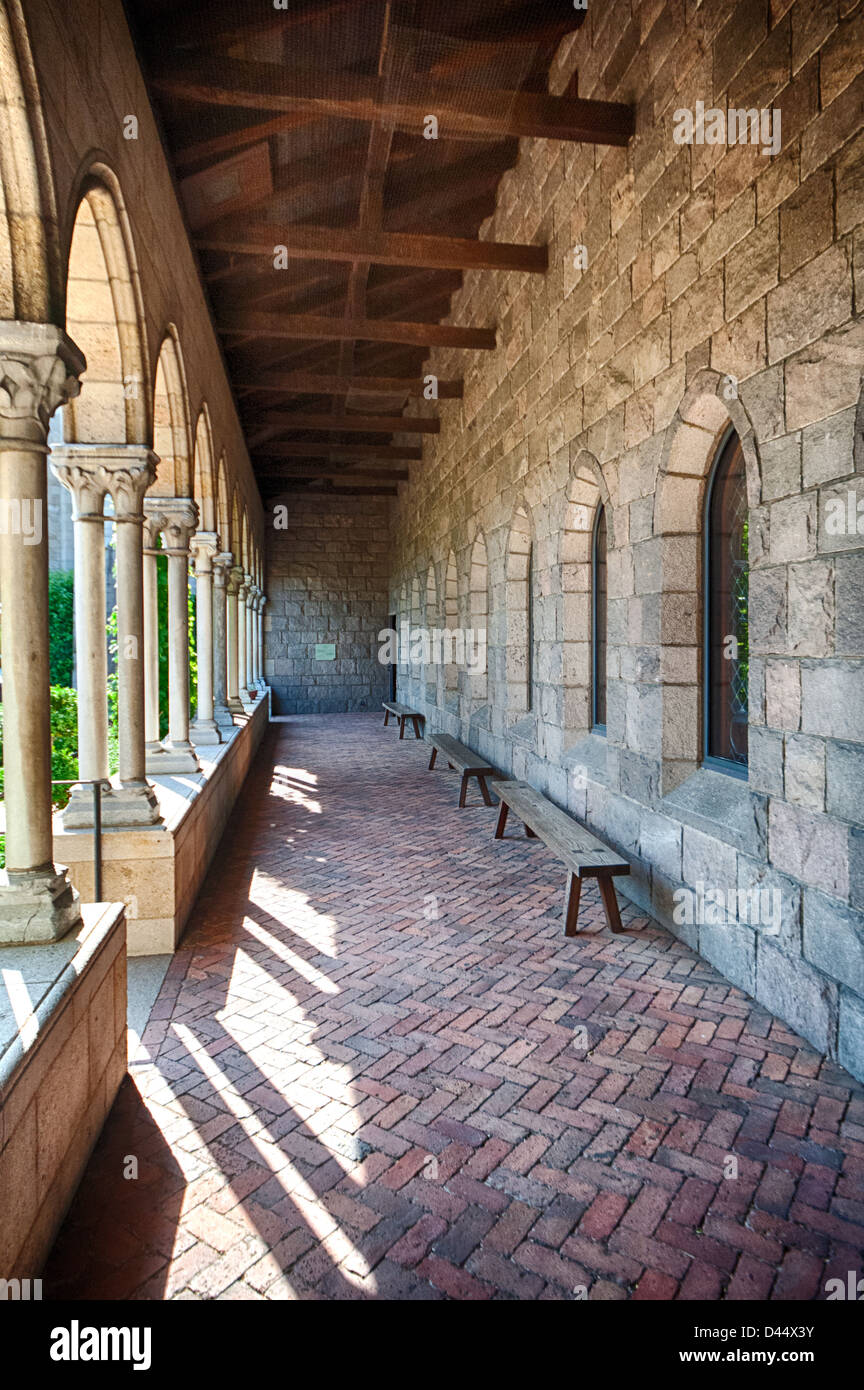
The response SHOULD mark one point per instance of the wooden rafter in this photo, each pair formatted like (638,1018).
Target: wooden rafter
(352,424)
(344,453)
(320,384)
(260,325)
(460,112)
(384,248)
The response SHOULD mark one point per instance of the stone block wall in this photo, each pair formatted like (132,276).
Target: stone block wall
(59,1073)
(327,578)
(723,286)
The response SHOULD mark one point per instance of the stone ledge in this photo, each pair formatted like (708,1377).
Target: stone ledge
(49,975)
(723,807)
(157,871)
(59,1074)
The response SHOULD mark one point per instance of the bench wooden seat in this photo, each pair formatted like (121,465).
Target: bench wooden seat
(464,760)
(584,855)
(402,712)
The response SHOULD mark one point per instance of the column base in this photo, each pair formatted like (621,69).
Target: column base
(235,705)
(37,907)
(172,757)
(204,731)
(131,803)
(224,720)
(77,814)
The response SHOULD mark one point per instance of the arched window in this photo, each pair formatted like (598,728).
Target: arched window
(598,621)
(727,574)
(529,618)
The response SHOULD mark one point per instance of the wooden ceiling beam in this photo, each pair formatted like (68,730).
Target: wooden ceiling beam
(352,424)
(231,140)
(343,453)
(378,475)
(320,384)
(295,326)
(236,238)
(460,110)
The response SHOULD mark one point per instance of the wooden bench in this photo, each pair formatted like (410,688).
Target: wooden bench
(402,712)
(464,761)
(584,855)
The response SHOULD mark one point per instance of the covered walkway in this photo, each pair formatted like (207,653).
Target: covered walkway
(376,1069)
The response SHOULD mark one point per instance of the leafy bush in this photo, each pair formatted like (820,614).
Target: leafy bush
(61,626)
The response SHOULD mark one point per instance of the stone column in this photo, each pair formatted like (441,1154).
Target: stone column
(261,602)
(132,468)
(205,545)
(256,639)
(221,713)
(154,520)
(39,367)
(234,577)
(83,476)
(242,594)
(125,471)
(249,684)
(177,753)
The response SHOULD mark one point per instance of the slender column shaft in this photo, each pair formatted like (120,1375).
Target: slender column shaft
(205,544)
(221,565)
(249,683)
(39,366)
(178,648)
(241,638)
(231,631)
(151,633)
(91,648)
(26,677)
(178,517)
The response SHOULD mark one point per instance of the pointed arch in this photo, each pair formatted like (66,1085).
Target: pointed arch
(432,621)
(587,500)
(690,447)
(172,437)
(478,619)
(105,317)
(520,611)
(31,277)
(223,509)
(451,623)
(204,484)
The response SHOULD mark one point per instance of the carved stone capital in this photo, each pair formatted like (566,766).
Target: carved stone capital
(39,370)
(178,517)
(221,566)
(205,547)
(125,471)
(235,580)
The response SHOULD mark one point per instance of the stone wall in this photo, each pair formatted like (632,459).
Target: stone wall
(723,286)
(327,575)
(60,1069)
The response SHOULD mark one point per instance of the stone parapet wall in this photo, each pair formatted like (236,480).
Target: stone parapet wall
(60,1070)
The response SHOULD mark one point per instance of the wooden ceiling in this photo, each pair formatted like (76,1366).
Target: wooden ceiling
(332,231)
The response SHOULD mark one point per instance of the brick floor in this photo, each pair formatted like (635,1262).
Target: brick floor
(364,1079)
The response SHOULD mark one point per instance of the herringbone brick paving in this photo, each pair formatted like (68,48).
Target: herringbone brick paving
(366,1077)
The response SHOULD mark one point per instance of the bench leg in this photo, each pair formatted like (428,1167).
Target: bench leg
(502,821)
(463,788)
(606,884)
(415,719)
(571,905)
(386,717)
(432,759)
(485,790)
(402,726)
(532,835)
